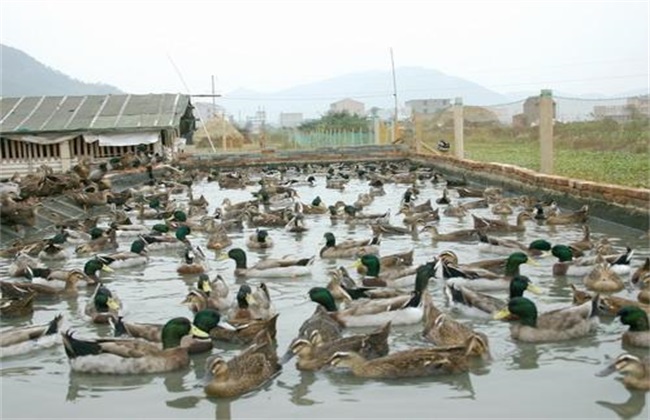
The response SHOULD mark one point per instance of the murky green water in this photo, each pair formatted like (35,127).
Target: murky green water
(523,380)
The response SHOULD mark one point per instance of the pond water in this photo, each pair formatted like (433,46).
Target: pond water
(522,380)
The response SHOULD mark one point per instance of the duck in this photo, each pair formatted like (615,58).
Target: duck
(23,340)
(131,356)
(498,225)
(179,241)
(603,279)
(105,242)
(92,269)
(204,320)
(250,369)
(401,310)
(269,268)
(259,240)
(558,325)
(484,304)
(313,353)
(444,199)
(570,266)
(585,244)
(136,256)
(501,208)
(19,304)
(638,335)
(376,276)
(641,280)
(455,211)
(210,294)
(579,216)
(635,369)
(251,306)
(296,224)
(609,305)
(218,238)
(444,331)
(102,305)
(317,206)
(47,290)
(54,252)
(244,331)
(536,248)
(22,264)
(454,236)
(416,362)
(194,262)
(348,249)
(422,217)
(484,280)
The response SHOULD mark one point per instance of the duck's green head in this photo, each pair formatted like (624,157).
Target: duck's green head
(245,296)
(96,232)
(59,238)
(635,317)
(316,201)
(423,274)
(333,210)
(520,308)
(154,203)
(262,234)
(207,319)
(407,196)
(372,264)
(330,239)
(541,245)
(160,228)
(182,232)
(519,284)
(203,284)
(514,261)
(104,300)
(323,296)
(93,265)
(179,216)
(239,256)
(350,210)
(562,252)
(138,246)
(175,329)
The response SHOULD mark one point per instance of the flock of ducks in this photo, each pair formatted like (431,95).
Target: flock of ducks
(366,289)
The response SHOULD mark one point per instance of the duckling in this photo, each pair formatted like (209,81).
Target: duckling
(558,325)
(638,334)
(131,356)
(194,261)
(444,331)
(102,305)
(270,268)
(483,303)
(22,340)
(406,363)
(204,320)
(400,310)
(259,240)
(454,236)
(348,249)
(243,373)
(603,279)
(636,371)
(314,354)
(579,216)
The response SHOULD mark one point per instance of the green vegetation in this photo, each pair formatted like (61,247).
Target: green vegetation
(337,121)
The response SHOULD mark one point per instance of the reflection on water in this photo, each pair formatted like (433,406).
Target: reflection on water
(627,409)
(154,293)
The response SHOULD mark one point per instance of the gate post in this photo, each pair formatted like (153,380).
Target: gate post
(459,145)
(546,131)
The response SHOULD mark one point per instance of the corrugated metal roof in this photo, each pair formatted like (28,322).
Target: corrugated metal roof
(96,113)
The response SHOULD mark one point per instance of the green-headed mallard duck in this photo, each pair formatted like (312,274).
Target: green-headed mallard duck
(635,369)
(507,246)
(484,304)
(314,353)
(416,362)
(204,320)
(270,268)
(400,310)
(107,241)
(136,256)
(243,373)
(376,276)
(23,340)
(259,240)
(131,356)
(481,279)
(348,249)
(558,325)
(102,305)
(317,206)
(180,240)
(567,265)
(194,261)
(211,294)
(638,334)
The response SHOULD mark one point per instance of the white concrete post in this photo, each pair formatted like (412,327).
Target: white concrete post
(459,142)
(546,131)
(64,151)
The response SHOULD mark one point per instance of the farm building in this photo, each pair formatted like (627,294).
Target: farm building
(60,130)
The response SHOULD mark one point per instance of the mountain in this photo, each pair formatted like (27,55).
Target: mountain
(373,88)
(22,75)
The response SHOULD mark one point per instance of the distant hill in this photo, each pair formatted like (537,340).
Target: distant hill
(22,75)
(373,88)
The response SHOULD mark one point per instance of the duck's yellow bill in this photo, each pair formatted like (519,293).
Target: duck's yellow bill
(532,262)
(250,299)
(357,264)
(222,257)
(199,333)
(502,314)
(534,289)
(206,287)
(107,268)
(112,304)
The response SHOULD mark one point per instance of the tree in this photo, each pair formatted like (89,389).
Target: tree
(337,121)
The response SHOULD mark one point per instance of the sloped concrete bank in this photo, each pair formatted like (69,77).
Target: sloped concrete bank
(623,205)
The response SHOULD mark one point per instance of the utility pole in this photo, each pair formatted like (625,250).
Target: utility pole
(395,116)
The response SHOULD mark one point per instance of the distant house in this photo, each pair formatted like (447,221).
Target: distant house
(290,119)
(427,106)
(349,105)
(636,105)
(60,130)
(530,116)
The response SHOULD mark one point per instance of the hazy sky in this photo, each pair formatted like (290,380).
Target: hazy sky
(507,46)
